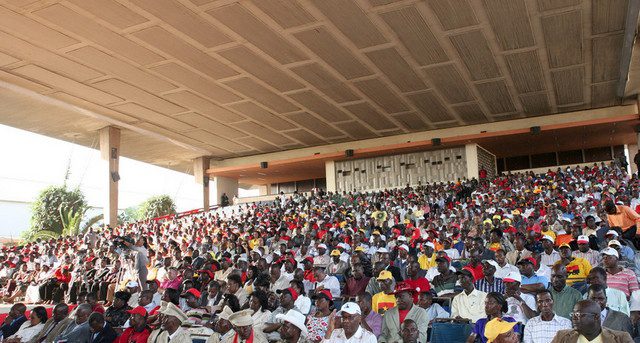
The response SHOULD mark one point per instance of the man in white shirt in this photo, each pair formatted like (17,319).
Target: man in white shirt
(504,267)
(322,260)
(469,304)
(351,330)
(543,328)
(522,306)
(277,278)
(549,256)
(324,281)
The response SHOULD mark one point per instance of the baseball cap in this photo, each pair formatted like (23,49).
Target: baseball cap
(512,277)
(582,239)
(528,260)
(196,293)
(430,244)
(335,252)
(385,275)
(443,259)
(564,245)
(290,291)
(404,247)
(138,310)
(492,262)
(382,250)
(403,287)
(614,242)
(350,308)
(325,293)
(322,246)
(612,233)
(549,238)
(132,284)
(496,327)
(610,251)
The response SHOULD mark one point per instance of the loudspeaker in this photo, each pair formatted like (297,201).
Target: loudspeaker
(264,165)
(114,153)
(535,129)
(436,141)
(115,176)
(348,152)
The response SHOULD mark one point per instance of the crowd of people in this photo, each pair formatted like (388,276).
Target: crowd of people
(527,257)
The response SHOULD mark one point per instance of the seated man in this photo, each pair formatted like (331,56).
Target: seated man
(613,320)
(101,331)
(405,309)
(351,328)
(54,325)
(588,328)
(13,321)
(138,332)
(468,304)
(78,331)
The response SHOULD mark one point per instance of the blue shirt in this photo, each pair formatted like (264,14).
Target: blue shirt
(535,279)
(478,328)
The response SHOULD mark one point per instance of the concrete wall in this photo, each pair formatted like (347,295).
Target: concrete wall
(399,170)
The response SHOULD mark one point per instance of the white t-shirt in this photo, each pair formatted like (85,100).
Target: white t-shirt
(515,307)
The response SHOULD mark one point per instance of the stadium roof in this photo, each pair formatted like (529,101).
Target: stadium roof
(226,79)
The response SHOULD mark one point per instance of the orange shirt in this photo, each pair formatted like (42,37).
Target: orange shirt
(625,217)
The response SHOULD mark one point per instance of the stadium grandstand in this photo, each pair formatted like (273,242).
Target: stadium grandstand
(427,170)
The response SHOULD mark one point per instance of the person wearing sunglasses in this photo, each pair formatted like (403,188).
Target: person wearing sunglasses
(585,319)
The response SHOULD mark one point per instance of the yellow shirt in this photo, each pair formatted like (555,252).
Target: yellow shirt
(381,302)
(427,262)
(577,270)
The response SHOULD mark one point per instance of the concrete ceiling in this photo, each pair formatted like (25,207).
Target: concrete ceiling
(229,78)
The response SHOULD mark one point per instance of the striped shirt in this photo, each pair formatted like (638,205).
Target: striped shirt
(540,331)
(624,280)
(496,286)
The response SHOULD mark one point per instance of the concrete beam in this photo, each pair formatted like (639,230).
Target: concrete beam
(200,166)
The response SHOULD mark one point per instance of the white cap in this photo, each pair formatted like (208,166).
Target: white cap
(404,247)
(610,252)
(612,232)
(493,263)
(350,308)
(430,244)
(614,242)
(132,284)
(296,318)
(322,246)
(549,238)
(513,277)
(583,238)
(382,250)
(402,239)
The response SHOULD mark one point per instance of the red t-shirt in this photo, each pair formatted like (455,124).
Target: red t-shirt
(130,336)
(403,314)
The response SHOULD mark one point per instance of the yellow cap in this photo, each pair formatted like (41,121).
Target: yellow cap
(376,232)
(495,327)
(515,212)
(335,252)
(564,245)
(407,221)
(497,216)
(359,249)
(487,221)
(385,275)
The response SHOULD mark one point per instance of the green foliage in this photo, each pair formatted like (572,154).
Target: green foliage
(157,206)
(55,209)
(130,214)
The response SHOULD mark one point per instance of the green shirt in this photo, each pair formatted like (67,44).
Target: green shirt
(565,300)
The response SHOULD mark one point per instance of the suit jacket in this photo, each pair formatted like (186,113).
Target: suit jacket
(78,334)
(51,330)
(107,335)
(391,324)
(9,329)
(618,321)
(609,336)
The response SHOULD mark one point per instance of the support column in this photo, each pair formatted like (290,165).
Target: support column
(110,153)
(200,166)
(330,175)
(225,185)
(471,155)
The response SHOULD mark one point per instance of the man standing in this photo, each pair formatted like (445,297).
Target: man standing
(405,309)
(543,328)
(587,327)
(564,297)
(469,304)
(351,316)
(609,318)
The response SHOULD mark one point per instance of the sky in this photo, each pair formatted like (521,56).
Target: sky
(31,162)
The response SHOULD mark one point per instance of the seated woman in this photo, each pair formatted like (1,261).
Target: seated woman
(259,303)
(21,281)
(30,328)
(495,306)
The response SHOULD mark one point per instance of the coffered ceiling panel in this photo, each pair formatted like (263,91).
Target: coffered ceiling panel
(230,78)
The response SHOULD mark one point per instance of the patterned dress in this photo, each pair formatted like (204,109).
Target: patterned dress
(317,327)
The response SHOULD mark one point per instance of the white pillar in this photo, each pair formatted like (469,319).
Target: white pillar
(330,175)
(200,166)
(471,155)
(110,154)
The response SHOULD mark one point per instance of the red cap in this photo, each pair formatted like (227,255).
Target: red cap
(403,287)
(309,258)
(532,260)
(326,292)
(138,310)
(208,272)
(294,294)
(196,293)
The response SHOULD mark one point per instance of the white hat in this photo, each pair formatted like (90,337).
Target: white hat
(402,239)
(614,242)
(610,252)
(132,284)
(612,232)
(549,238)
(583,238)
(226,313)
(172,310)
(513,277)
(296,318)
(404,247)
(322,246)
(382,251)
(430,244)
(350,308)
(493,263)
(241,318)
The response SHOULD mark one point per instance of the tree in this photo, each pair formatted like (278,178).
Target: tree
(156,206)
(55,206)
